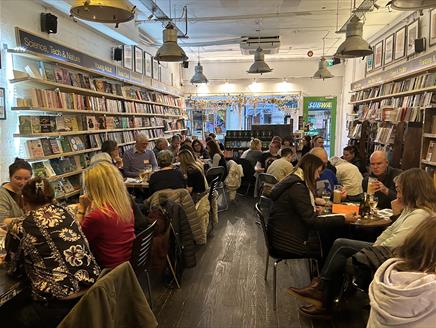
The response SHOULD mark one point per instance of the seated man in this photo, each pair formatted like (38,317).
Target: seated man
(268,157)
(350,177)
(327,179)
(160,144)
(136,158)
(384,186)
(281,167)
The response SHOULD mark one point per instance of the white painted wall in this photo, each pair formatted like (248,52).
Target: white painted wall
(298,74)
(26,15)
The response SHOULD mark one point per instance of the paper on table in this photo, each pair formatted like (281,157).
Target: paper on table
(131,180)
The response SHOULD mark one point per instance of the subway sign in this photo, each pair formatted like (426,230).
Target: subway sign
(320,105)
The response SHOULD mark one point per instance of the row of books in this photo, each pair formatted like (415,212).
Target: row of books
(56,99)
(431,152)
(385,135)
(58,166)
(68,123)
(65,186)
(57,73)
(174,124)
(432,172)
(410,84)
(355,132)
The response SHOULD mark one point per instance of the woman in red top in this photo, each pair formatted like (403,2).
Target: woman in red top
(106,215)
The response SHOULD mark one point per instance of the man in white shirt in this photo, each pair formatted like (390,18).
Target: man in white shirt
(281,167)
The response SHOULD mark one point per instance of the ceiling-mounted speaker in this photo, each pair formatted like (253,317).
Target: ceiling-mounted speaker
(420,45)
(118,54)
(336,61)
(49,23)
(185,64)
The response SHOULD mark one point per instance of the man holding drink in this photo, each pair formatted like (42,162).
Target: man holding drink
(380,182)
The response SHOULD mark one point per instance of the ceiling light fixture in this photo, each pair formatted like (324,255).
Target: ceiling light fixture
(199,77)
(323,72)
(354,45)
(103,11)
(412,4)
(259,66)
(170,51)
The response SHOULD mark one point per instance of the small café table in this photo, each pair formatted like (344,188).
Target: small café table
(9,286)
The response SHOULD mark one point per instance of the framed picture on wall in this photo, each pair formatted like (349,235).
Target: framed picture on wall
(2,104)
(155,69)
(369,63)
(412,35)
(139,60)
(389,49)
(432,36)
(400,43)
(378,55)
(127,57)
(148,61)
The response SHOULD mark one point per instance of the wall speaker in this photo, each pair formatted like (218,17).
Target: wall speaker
(336,61)
(118,54)
(185,64)
(420,45)
(49,23)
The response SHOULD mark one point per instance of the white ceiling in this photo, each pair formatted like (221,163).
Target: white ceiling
(217,25)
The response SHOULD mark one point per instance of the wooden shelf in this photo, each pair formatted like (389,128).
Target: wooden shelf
(65,175)
(399,94)
(37,56)
(89,112)
(429,135)
(69,194)
(37,83)
(173,131)
(69,154)
(74,133)
(423,161)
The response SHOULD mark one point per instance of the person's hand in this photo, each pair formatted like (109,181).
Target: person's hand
(84,202)
(344,193)
(351,217)
(379,186)
(320,201)
(397,206)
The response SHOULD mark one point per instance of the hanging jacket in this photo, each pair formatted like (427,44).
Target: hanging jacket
(401,298)
(233,179)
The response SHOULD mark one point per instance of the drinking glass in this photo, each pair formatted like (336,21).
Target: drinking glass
(371,185)
(2,244)
(337,194)
(326,194)
(373,202)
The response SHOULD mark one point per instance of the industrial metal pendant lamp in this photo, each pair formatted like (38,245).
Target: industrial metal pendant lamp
(412,4)
(323,72)
(103,11)
(259,66)
(170,51)
(354,45)
(198,77)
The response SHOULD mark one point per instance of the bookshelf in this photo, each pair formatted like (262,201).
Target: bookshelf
(66,111)
(428,145)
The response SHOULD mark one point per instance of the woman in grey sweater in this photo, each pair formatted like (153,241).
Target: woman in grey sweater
(11,203)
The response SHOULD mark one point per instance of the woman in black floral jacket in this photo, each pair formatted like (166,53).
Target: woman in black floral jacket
(49,247)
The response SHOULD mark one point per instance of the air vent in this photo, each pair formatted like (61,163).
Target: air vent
(269,44)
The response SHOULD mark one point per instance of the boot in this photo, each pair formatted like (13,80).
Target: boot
(313,312)
(312,294)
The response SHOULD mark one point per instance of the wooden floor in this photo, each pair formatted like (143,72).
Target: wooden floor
(227,287)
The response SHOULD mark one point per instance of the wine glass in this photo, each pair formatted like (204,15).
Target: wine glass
(373,202)
(326,194)
(142,175)
(3,231)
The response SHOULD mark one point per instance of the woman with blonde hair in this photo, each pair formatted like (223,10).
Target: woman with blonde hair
(254,153)
(106,215)
(193,169)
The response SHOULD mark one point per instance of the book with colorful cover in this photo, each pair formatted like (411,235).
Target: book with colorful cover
(49,169)
(49,71)
(67,186)
(39,170)
(71,123)
(65,144)
(55,146)
(34,148)
(91,123)
(47,124)
(46,147)
(25,124)
(57,188)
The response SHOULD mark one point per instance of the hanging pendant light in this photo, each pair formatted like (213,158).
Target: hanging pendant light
(198,77)
(170,51)
(412,4)
(322,72)
(259,66)
(103,11)
(354,45)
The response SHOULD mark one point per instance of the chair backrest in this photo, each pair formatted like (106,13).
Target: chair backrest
(142,248)
(261,215)
(267,178)
(265,204)
(247,168)
(212,187)
(213,172)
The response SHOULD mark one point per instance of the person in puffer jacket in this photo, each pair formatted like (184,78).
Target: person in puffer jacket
(403,291)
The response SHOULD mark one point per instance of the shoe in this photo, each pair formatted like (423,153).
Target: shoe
(313,312)
(312,294)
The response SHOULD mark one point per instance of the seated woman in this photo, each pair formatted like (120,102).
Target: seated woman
(166,177)
(254,153)
(196,181)
(111,147)
(11,203)
(403,291)
(416,196)
(106,216)
(50,249)
(294,213)
(199,150)
(216,156)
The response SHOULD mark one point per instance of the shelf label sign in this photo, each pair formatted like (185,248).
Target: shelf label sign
(52,49)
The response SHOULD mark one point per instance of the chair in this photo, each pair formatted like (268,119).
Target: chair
(212,173)
(248,179)
(141,254)
(264,179)
(212,190)
(277,255)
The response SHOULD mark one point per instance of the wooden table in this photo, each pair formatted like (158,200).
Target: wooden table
(9,287)
(139,185)
(378,222)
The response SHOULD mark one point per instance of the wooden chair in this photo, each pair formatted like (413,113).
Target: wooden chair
(141,251)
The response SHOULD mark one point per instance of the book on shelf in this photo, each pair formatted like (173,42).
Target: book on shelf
(33,71)
(47,71)
(55,146)
(65,145)
(34,148)
(57,188)
(29,124)
(433,124)
(42,169)
(46,147)
(71,123)
(91,123)
(431,152)
(67,186)
(76,143)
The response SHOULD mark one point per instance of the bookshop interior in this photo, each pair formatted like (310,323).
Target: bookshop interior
(217,163)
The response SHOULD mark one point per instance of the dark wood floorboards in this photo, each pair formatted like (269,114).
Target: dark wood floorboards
(227,287)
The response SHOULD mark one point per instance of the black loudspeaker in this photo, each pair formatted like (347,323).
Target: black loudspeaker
(336,61)
(420,45)
(49,23)
(185,64)
(118,54)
